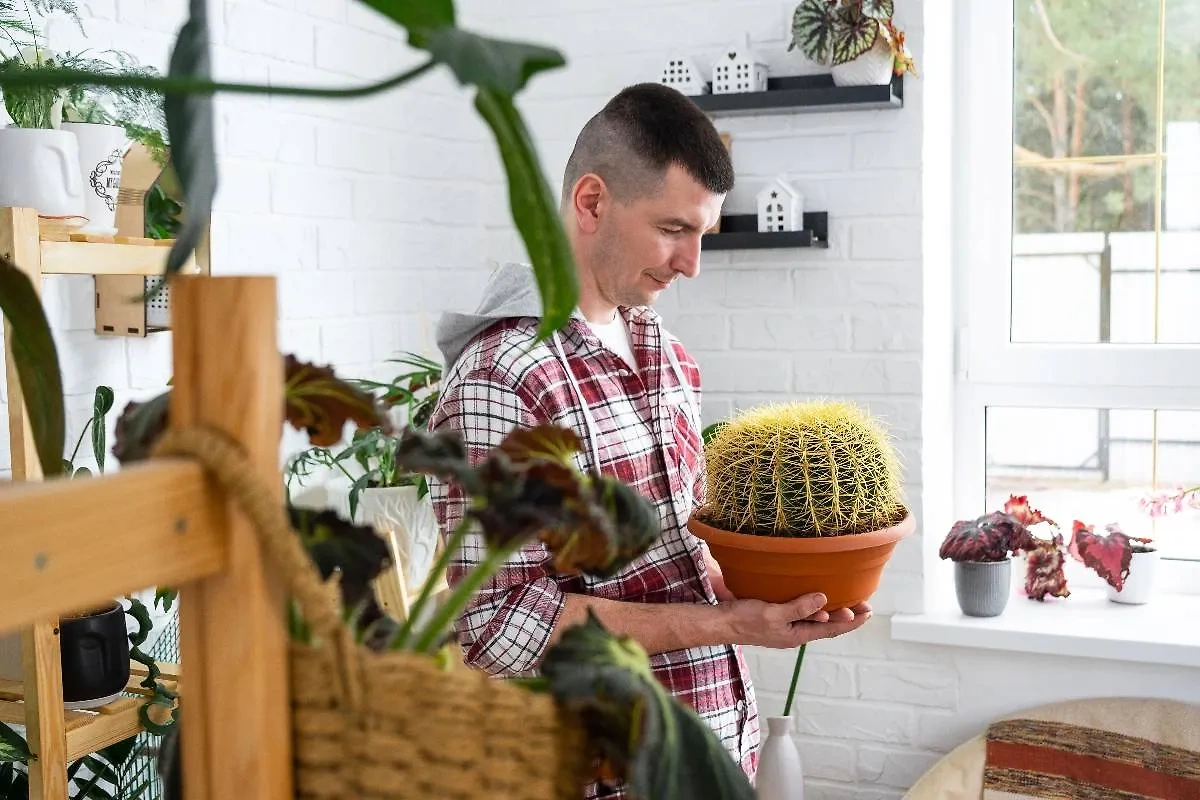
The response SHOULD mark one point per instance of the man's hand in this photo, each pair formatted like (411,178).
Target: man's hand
(791,624)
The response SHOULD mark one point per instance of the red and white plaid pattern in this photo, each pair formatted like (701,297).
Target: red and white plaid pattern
(648,433)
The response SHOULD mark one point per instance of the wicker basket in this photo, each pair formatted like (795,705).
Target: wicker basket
(395,725)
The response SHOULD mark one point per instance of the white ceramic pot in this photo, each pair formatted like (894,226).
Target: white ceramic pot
(101,150)
(406,522)
(780,770)
(39,169)
(872,68)
(1141,582)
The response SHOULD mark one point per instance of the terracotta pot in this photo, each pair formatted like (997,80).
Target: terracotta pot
(846,569)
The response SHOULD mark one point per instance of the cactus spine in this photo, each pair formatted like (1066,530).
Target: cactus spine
(816,468)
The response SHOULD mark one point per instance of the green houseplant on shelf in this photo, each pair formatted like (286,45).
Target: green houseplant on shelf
(857,39)
(368,484)
(88,127)
(598,697)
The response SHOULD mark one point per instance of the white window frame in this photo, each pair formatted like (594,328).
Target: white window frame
(991,370)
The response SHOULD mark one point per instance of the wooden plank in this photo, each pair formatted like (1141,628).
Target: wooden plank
(45,728)
(94,258)
(14,714)
(19,244)
(40,665)
(103,730)
(166,670)
(229,376)
(59,538)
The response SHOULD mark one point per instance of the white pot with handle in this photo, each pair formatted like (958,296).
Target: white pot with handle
(101,150)
(39,169)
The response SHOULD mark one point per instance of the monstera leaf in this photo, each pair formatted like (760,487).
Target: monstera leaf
(36,362)
(659,746)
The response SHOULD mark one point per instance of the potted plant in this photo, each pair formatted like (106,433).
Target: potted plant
(1128,564)
(802,497)
(856,38)
(370,486)
(982,550)
(62,153)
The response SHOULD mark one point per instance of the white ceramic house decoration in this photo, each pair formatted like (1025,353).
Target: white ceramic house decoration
(780,207)
(681,72)
(740,69)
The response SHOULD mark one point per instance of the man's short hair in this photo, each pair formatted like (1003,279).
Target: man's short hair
(640,132)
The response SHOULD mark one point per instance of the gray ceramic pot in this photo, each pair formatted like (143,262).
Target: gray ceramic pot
(982,586)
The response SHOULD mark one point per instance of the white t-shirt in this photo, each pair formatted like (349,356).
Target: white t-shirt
(615,336)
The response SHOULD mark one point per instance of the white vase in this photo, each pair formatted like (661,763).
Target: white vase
(39,169)
(780,771)
(408,523)
(101,150)
(1141,582)
(872,68)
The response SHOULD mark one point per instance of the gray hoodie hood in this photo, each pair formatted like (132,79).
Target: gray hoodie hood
(510,292)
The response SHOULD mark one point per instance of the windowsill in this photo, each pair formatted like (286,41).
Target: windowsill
(1086,625)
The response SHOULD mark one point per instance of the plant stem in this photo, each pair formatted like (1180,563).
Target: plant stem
(443,561)
(171,84)
(787,706)
(462,595)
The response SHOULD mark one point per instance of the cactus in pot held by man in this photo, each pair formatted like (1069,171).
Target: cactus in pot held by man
(803,497)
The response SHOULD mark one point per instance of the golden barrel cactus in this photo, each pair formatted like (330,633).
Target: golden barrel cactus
(802,469)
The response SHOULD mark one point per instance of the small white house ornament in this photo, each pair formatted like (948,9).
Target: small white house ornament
(681,72)
(740,69)
(780,207)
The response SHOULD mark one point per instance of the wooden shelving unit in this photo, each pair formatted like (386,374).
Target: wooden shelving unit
(55,735)
(740,232)
(804,94)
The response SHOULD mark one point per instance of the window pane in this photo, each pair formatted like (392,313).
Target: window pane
(1085,84)
(1093,280)
(1097,465)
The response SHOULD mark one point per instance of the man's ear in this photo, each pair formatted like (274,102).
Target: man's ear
(589,202)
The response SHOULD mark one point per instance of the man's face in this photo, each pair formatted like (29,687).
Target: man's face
(641,247)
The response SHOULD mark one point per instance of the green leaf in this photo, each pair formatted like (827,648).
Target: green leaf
(660,746)
(36,360)
(13,746)
(813,25)
(495,64)
(712,430)
(879,9)
(190,128)
(82,472)
(856,34)
(418,16)
(534,212)
(101,405)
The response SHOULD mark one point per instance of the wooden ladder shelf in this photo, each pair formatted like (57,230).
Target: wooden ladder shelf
(57,736)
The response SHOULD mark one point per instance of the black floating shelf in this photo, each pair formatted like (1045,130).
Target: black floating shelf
(804,93)
(740,232)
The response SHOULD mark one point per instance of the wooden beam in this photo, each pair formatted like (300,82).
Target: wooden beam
(98,258)
(59,538)
(233,631)
(40,657)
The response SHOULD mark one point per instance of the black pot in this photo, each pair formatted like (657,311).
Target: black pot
(95,656)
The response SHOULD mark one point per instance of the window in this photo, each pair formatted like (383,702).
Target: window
(1078,353)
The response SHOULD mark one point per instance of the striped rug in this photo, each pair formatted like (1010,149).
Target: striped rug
(1043,759)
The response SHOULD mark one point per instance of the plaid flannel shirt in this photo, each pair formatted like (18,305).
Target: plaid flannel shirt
(646,430)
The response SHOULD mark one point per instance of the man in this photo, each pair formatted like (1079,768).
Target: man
(647,177)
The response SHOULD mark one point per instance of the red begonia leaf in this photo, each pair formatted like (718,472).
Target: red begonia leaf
(1108,555)
(1019,508)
